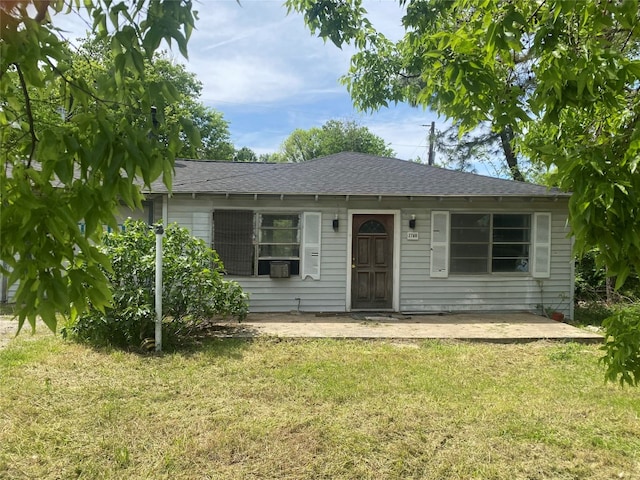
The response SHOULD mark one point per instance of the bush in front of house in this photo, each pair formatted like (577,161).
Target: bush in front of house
(622,345)
(193,290)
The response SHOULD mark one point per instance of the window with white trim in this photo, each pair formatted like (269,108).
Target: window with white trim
(248,242)
(489,243)
(278,240)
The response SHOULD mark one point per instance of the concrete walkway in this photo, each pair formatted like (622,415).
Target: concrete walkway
(498,328)
(502,328)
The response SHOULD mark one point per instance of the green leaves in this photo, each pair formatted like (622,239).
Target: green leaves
(341,21)
(622,347)
(75,137)
(193,288)
(333,137)
(167,20)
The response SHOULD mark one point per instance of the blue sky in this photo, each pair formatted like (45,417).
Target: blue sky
(268,75)
(265,71)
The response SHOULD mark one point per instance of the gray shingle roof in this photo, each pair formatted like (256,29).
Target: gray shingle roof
(341,174)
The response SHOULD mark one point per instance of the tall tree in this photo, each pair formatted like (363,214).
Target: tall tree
(561,76)
(245,154)
(465,152)
(452,81)
(94,58)
(333,137)
(84,148)
(215,139)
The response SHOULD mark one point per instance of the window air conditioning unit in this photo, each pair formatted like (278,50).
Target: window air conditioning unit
(279,270)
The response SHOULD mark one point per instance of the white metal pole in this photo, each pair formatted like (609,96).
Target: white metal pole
(159,232)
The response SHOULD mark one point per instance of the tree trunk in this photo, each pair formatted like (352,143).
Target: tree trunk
(506,139)
(608,285)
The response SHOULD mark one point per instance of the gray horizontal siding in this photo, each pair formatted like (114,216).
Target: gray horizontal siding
(418,292)
(325,295)
(192,214)
(7,293)
(277,295)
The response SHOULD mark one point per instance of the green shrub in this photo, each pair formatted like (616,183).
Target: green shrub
(590,279)
(193,288)
(591,282)
(622,346)
(592,312)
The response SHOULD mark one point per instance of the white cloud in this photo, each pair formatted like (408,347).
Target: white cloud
(256,53)
(404,129)
(298,87)
(269,75)
(246,80)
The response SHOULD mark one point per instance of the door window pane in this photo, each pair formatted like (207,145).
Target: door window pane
(372,226)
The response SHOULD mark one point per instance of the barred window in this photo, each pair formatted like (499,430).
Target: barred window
(233,240)
(247,243)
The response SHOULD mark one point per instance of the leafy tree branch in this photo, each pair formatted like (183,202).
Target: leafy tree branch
(558,82)
(74,146)
(28,112)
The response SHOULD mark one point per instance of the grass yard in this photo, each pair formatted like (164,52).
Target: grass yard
(316,409)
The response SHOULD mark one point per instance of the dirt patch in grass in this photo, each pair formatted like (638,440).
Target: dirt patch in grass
(9,329)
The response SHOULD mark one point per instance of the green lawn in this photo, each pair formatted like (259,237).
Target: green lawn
(268,409)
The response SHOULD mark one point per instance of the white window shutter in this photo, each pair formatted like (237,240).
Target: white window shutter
(439,244)
(311,234)
(541,261)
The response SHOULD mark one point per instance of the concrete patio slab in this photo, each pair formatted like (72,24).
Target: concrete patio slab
(502,327)
(496,328)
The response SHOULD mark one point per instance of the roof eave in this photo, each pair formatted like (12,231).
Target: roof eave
(551,195)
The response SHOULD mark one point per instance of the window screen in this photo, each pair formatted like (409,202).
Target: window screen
(279,240)
(485,243)
(470,242)
(233,240)
(511,241)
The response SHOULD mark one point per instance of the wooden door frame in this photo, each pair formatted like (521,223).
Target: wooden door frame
(395,302)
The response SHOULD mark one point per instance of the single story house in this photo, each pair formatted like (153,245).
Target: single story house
(356,232)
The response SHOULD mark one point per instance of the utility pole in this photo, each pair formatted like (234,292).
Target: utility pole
(431,140)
